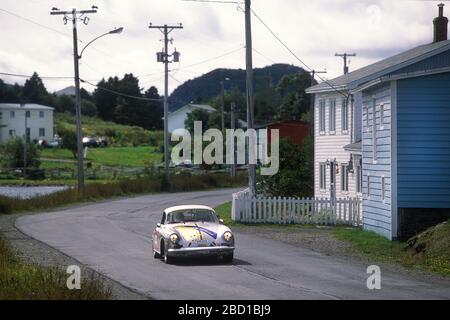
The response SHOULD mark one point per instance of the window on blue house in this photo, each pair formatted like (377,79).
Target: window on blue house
(322,116)
(344,115)
(332,116)
(323,176)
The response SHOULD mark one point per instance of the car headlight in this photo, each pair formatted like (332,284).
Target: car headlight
(174,238)
(228,236)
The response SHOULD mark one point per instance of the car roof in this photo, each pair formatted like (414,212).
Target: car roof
(188,207)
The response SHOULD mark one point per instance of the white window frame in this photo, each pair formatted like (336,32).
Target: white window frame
(344,117)
(41,130)
(332,116)
(322,176)
(374,132)
(322,120)
(344,178)
(41,114)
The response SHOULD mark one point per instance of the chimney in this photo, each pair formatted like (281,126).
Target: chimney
(440,26)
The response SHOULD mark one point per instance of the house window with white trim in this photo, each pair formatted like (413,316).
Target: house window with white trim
(322,116)
(12,133)
(358,179)
(344,116)
(374,131)
(41,114)
(323,176)
(41,132)
(344,178)
(12,114)
(332,117)
(27,114)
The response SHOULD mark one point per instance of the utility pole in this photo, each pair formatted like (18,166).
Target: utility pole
(345,56)
(75,15)
(164,58)
(250,101)
(232,127)
(25,146)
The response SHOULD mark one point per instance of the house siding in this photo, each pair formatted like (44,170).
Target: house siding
(377,212)
(424,142)
(441,60)
(330,146)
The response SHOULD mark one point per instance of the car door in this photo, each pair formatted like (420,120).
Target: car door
(157,234)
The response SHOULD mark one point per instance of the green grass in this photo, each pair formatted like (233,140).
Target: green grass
(111,156)
(24,281)
(429,251)
(118,135)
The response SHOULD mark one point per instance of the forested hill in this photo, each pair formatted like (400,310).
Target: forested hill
(207,87)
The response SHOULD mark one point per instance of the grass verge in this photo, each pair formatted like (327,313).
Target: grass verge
(428,251)
(98,191)
(23,281)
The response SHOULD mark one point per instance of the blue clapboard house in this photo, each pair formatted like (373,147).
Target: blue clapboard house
(399,146)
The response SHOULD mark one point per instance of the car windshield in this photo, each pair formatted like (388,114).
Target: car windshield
(192,216)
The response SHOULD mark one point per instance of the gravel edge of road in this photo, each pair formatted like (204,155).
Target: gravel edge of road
(35,251)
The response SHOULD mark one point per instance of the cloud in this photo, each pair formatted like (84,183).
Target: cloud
(314,30)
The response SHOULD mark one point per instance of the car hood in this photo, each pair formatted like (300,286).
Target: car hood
(198,231)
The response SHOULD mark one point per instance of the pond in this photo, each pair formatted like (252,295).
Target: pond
(29,192)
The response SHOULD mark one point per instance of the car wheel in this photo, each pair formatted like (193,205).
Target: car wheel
(167,259)
(156,255)
(228,258)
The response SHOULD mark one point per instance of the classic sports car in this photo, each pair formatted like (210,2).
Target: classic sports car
(188,231)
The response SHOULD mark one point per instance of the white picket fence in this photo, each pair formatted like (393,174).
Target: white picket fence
(319,211)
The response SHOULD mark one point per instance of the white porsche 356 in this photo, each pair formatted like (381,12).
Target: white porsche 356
(189,231)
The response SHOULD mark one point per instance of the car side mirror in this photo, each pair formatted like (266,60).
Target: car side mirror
(158,225)
(221,221)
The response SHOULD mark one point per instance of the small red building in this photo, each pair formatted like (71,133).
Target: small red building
(295,131)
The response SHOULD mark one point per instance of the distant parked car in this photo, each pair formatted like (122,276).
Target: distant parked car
(192,231)
(90,142)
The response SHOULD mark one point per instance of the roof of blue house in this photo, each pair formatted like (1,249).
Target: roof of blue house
(352,80)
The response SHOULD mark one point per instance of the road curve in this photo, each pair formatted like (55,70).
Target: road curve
(114,238)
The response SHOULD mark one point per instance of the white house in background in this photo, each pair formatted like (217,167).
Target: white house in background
(177,118)
(37,119)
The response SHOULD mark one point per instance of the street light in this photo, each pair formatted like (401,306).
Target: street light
(75,15)
(115,31)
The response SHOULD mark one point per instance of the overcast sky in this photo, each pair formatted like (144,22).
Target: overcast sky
(314,30)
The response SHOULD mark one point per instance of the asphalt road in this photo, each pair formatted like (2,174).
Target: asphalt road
(114,238)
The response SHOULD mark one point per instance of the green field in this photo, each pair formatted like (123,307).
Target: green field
(134,157)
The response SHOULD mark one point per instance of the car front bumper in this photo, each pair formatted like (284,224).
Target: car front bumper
(200,251)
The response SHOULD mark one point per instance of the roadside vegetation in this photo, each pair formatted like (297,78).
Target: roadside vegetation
(97,191)
(26,281)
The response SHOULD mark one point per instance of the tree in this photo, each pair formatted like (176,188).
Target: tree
(34,90)
(12,154)
(295,101)
(197,115)
(154,110)
(105,101)
(69,140)
(294,176)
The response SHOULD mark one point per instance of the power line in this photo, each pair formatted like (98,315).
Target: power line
(119,93)
(28,76)
(34,22)
(293,54)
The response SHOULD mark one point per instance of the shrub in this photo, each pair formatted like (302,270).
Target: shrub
(12,154)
